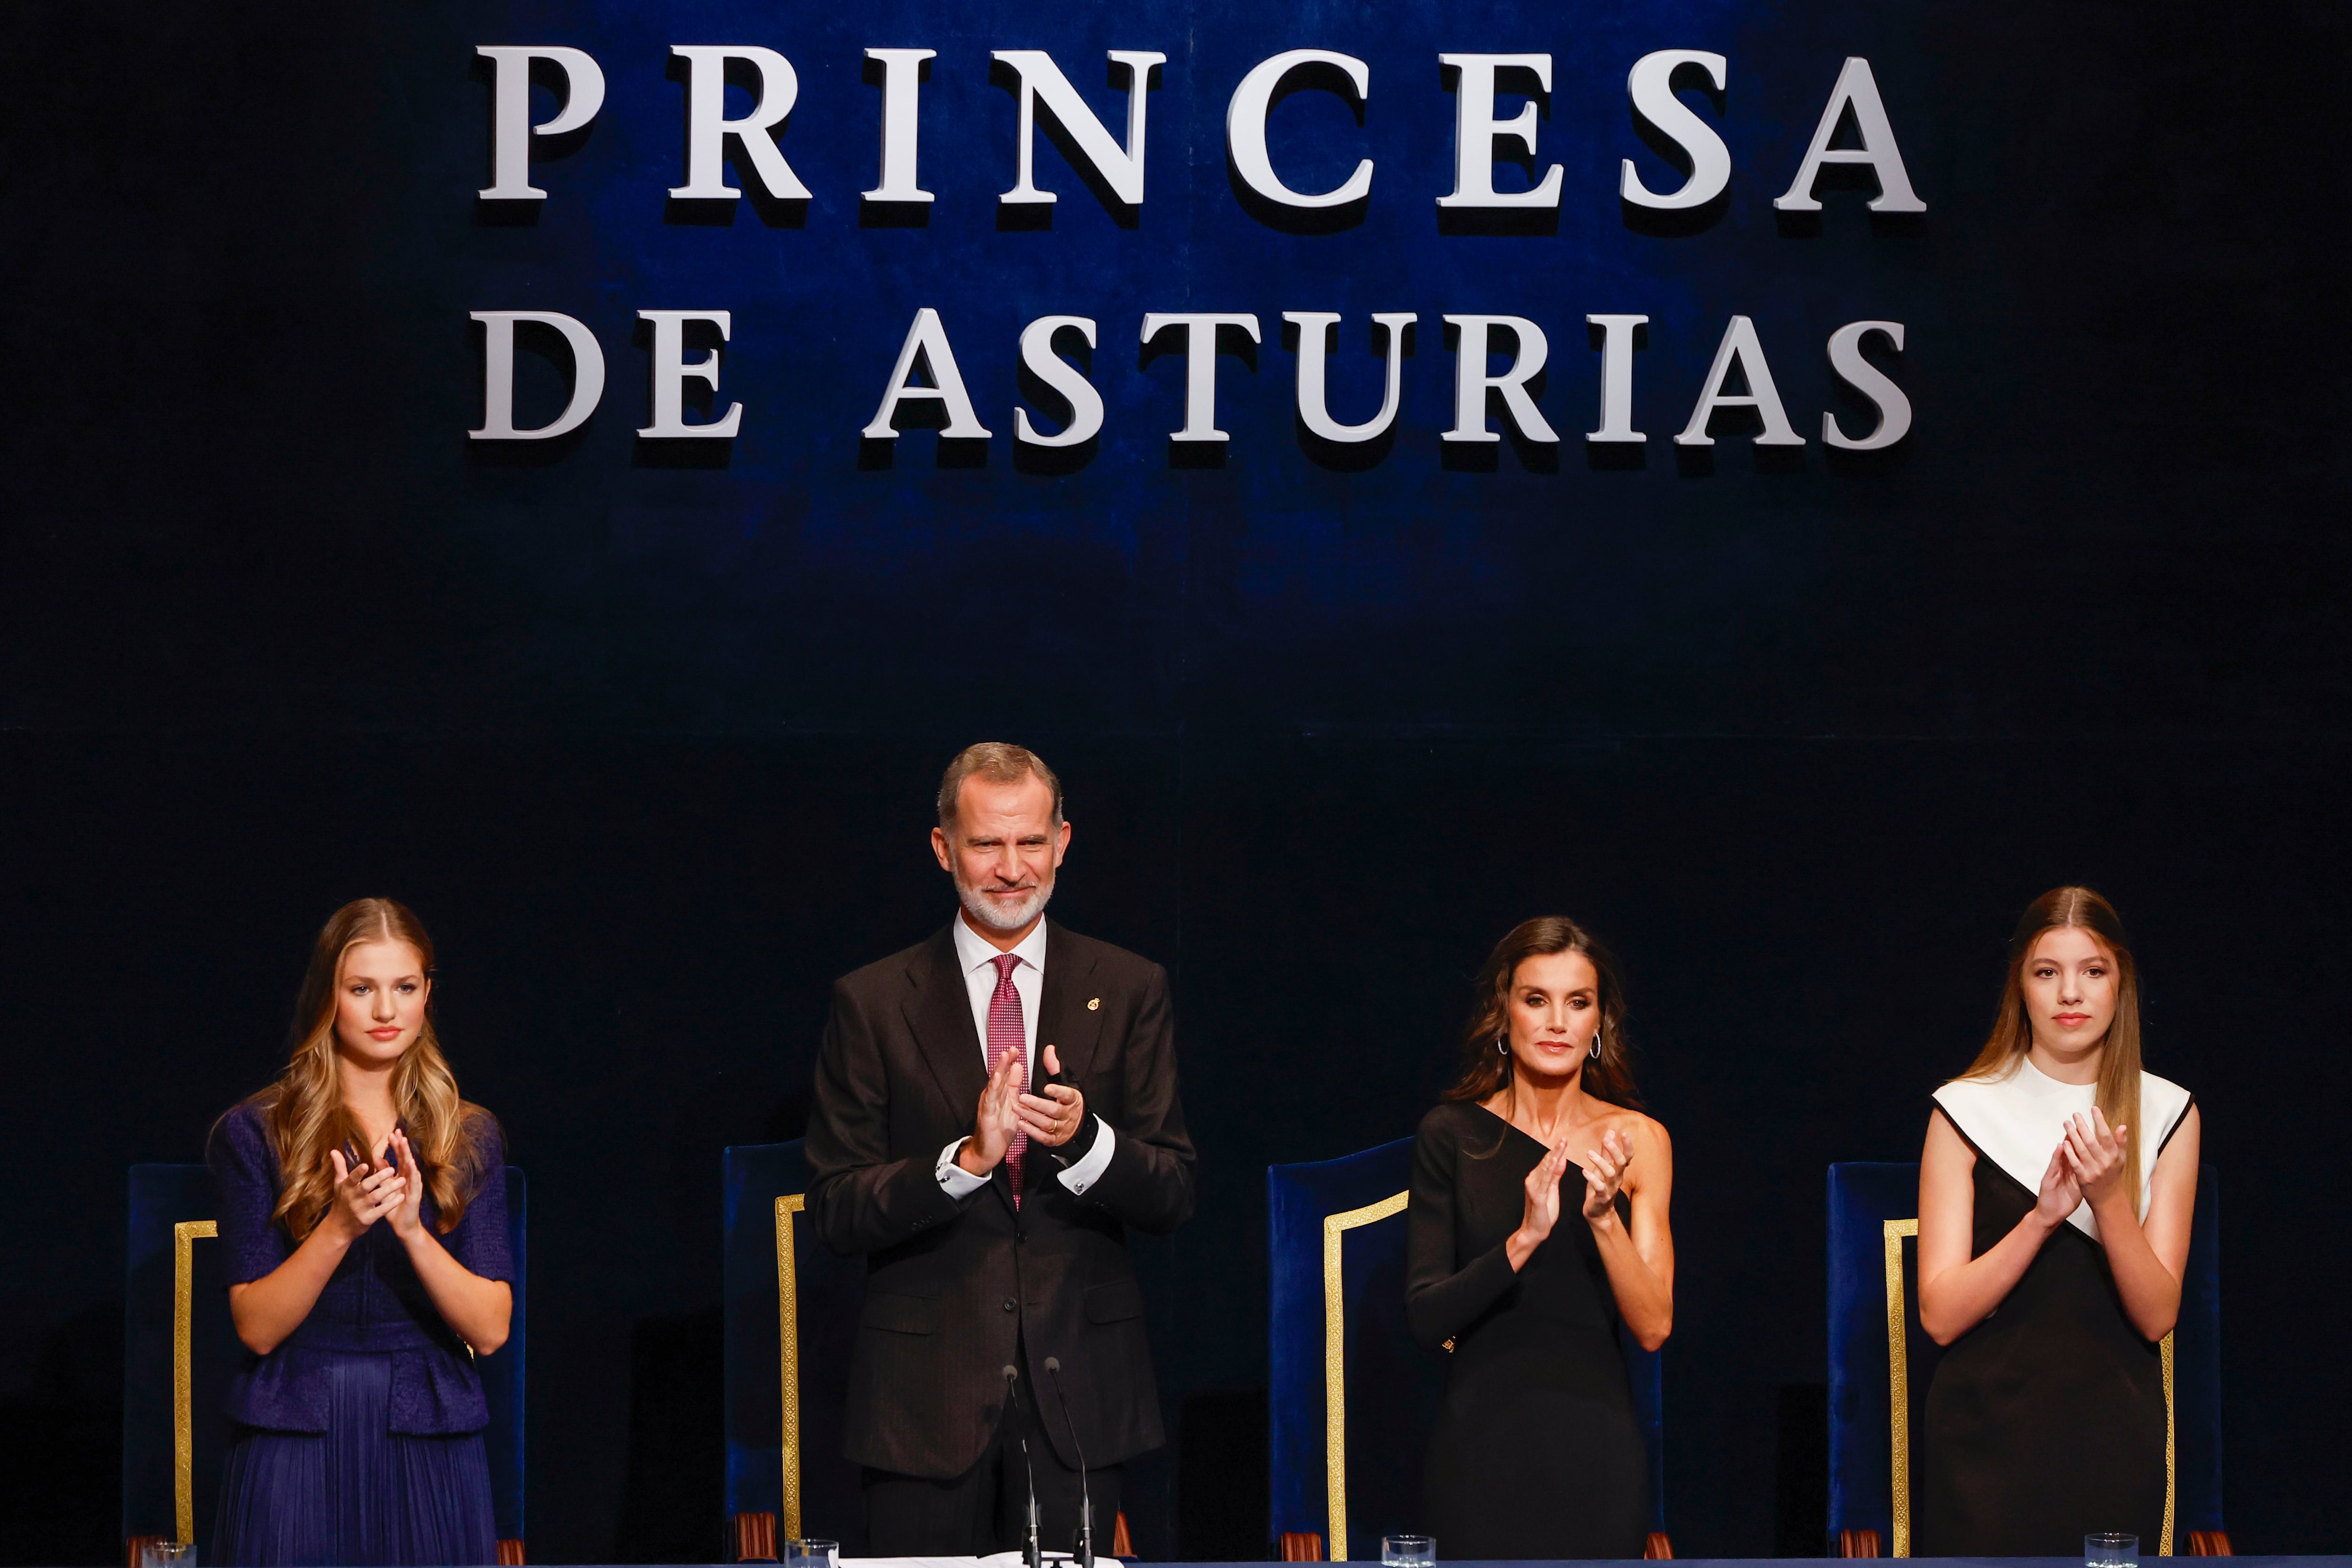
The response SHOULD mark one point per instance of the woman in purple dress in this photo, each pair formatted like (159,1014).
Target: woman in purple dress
(364,1219)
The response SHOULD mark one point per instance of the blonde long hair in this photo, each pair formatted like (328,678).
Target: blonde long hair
(2119,1055)
(303,1111)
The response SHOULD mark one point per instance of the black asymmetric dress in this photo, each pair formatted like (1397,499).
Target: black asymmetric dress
(2045,1422)
(1535,1452)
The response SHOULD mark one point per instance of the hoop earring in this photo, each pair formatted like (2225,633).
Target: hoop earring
(1596,1045)
(1501,1048)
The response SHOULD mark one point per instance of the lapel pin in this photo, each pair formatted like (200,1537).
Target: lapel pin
(1094,1004)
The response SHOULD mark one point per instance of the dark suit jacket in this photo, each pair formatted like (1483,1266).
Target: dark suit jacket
(951,1286)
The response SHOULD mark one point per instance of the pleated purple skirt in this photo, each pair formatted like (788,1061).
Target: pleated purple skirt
(357,1494)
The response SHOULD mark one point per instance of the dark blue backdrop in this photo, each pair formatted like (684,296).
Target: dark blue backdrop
(790,581)
(649,736)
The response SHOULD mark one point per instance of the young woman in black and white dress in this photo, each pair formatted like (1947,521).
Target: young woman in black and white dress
(2055,1195)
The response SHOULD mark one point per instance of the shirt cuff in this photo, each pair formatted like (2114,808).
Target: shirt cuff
(954,1180)
(1089,1170)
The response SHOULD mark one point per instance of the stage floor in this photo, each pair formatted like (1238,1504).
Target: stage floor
(2333,1561)
(2330,1560)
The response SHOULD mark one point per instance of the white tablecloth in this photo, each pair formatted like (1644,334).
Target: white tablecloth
(1000,1560)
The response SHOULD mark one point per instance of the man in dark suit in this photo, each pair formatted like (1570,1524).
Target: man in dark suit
(994,1109)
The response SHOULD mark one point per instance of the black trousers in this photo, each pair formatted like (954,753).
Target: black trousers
(986,1508)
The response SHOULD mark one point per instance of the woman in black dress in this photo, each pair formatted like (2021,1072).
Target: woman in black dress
(2055,1195)
(1535,1451)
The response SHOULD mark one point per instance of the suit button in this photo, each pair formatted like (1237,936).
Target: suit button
(1010,1304)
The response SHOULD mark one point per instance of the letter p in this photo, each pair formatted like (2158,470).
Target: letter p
(510,126)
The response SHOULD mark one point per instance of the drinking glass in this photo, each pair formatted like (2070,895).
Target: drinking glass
(812,1554)
(2107,1548)
(1411,1551)
(168,1555)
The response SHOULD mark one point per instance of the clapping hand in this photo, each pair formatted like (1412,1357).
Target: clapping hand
(1604,1175)
(364,1195)
(998,1118)
(1543,1196)
(2061,1194)
(407,1219)
(1054,1118)
(2095,1154)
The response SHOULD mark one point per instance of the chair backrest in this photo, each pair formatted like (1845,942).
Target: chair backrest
(502,1374)
(791,1322)
(179,1352)
(1878,1351)
(2197,1372)
(1353,1397)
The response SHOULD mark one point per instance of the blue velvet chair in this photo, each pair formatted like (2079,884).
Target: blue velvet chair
(502,1383)
(791,1320)
(180,1350)
(1877,1351)
(1352,1396)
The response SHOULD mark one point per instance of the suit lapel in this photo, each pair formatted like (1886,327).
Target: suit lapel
(939,1010)
(1063,1019)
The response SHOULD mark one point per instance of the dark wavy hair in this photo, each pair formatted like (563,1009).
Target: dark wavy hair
(1608,1076)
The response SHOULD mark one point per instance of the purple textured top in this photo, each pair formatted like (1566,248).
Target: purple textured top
(373,1304)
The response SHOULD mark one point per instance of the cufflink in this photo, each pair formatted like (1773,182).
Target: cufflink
(1094,1004)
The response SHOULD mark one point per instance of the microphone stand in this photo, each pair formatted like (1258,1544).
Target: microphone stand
(1032,1550)
(1086,1555)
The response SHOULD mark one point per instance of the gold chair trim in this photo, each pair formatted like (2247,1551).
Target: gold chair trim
(1898,1397)
(1335,1364)
(185,1235)
(1898,1383)
(2164,1547)
(788,1357)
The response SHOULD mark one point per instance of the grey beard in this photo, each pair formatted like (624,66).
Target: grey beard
(983,912)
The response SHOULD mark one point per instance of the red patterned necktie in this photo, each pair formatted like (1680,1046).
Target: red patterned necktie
(1004,1036)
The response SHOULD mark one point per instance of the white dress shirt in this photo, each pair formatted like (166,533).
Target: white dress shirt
(977,958)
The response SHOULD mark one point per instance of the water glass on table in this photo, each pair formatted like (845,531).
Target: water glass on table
(812,1554)
(1408,1551)
(2106,1549)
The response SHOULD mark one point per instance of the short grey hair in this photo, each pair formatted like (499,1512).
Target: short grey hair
(996,762)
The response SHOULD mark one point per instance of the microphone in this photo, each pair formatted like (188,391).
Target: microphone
(1032,1550)
(1086,1499)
